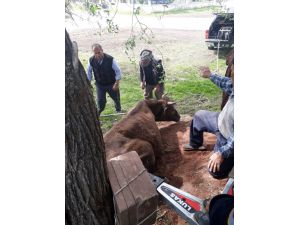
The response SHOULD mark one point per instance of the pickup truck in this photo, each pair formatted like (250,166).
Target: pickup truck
(221,31)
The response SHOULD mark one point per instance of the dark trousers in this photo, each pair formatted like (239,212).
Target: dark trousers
(101,96)
(206,121)
(225,168)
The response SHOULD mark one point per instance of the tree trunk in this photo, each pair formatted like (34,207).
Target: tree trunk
(88,194)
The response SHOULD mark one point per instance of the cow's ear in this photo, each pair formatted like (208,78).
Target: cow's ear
(171,103)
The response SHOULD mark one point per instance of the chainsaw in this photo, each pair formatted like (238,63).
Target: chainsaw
(188,207)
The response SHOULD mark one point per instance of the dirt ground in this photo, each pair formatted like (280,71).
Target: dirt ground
(175,47)
(185,170)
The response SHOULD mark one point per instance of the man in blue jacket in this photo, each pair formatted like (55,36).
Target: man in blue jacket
(107,74)
(219,123)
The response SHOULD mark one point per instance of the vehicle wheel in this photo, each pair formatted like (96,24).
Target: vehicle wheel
(211,47)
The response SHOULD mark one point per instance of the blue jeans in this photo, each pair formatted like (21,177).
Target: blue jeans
(101,96)
(203,121)
(207,121)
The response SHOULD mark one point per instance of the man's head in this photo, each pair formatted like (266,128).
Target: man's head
(98,51)
(146,57)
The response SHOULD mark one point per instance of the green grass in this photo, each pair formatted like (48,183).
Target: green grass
(190,91)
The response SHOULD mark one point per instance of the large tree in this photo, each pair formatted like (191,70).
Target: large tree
(88,195)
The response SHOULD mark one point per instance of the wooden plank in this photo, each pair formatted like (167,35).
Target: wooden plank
(130,173)
(148,196)
(120,203)
(128,196)
(142,187)
(137,189)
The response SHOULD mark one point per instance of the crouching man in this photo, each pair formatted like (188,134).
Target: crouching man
(219,123)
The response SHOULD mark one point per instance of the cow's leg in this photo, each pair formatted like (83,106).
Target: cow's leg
(144,150)
(203,121)
(101,97)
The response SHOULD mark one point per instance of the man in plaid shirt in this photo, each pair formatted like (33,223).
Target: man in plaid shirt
(219,123)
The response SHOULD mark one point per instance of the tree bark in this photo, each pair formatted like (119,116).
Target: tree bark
(88,199)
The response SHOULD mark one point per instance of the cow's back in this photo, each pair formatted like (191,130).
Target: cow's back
(135,132)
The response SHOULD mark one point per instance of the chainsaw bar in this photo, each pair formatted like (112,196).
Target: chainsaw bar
(229,187)
(189,207)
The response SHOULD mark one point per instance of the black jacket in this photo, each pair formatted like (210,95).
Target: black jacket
(104,73)
(153,74)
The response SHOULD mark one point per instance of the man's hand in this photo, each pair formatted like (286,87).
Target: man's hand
(142,85)
(215,161)
(116,86)
(205,71)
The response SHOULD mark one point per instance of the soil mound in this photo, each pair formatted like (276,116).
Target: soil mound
(185,170)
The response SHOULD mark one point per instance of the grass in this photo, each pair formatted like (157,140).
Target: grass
(189,91)
(183,54)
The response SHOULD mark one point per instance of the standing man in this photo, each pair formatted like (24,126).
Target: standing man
(219,123)
(152,75)
(107,74)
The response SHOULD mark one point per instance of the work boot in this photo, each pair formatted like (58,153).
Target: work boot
(188,147)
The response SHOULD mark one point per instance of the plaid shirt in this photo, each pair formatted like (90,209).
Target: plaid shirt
(225,83)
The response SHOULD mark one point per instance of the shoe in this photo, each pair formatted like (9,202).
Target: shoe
(120,112)
(188,147)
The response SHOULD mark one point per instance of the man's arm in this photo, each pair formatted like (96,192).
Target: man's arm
(227,150)
(225,83)
(118,73)
(141,74)
(142,78)
(89,72)
(222,153)
(117,70)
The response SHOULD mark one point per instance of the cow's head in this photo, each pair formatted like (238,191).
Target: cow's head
(163,110)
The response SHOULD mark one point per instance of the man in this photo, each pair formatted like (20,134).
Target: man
(107,75)
(221,124)
(229,59)
(152,75)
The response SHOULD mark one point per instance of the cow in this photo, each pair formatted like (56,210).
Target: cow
(137,131)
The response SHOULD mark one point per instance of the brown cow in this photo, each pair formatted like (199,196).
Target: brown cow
(139,132)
